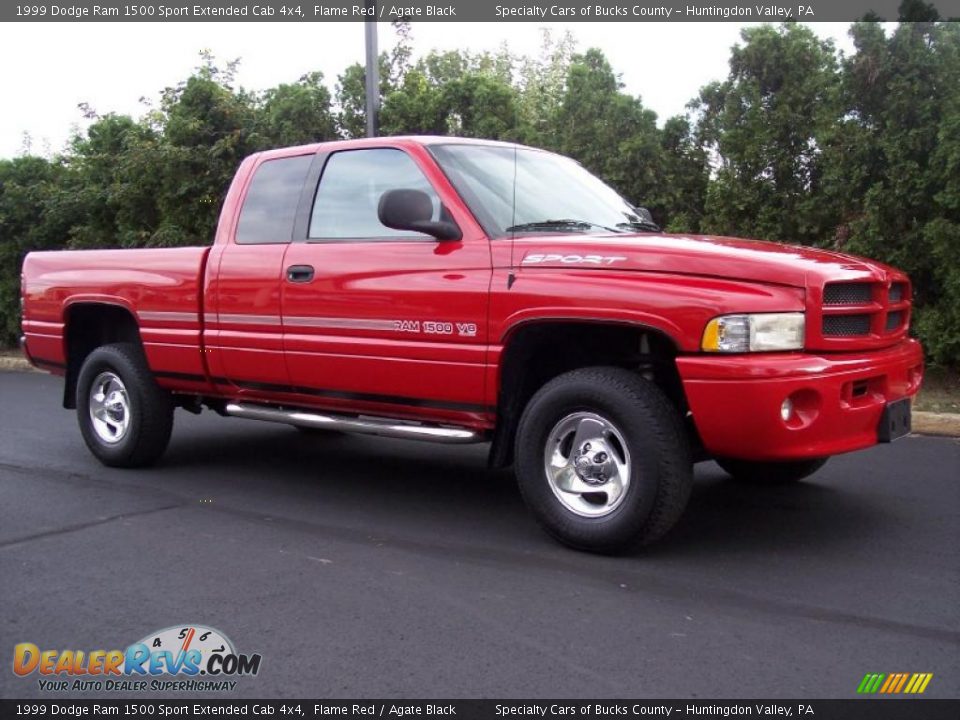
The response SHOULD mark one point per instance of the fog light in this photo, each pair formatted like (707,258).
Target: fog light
(786,410)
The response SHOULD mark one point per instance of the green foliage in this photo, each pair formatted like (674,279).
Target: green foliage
(613,135)
(899,162)
(27,187)
(452,94)
(797,143)
(766,124)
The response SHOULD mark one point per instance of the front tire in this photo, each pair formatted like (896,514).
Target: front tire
(603,460)
(125,417)
(770,473)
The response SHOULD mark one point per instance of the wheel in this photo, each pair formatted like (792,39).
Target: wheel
(125,417)
(602,459)
(771,473)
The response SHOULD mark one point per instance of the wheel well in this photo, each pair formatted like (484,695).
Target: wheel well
(537,353)
(89,326)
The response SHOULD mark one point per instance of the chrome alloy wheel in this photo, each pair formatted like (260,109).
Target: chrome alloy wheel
(109,408)
(587,464)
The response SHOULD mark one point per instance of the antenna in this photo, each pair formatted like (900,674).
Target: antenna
(511,276)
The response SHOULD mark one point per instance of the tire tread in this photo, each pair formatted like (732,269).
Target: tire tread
(152,407)
(651,411)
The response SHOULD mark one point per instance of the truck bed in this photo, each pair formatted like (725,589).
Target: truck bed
(161,288)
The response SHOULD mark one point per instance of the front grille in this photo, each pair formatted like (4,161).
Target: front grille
(894,320)
(845,325)
(847,293)
(861,314)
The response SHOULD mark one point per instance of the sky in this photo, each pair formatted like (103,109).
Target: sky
(50,68)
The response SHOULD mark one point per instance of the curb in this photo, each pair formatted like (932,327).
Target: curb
(15,363)
(928,423)
(924,423)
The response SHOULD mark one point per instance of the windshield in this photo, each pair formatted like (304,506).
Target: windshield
(552,194)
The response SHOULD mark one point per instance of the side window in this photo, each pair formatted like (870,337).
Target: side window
(271,203)
(346,203)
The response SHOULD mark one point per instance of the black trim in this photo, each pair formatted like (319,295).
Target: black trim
(363,397)
(424,238)
(47,363)
(301,222)
(335,394)
(189,377)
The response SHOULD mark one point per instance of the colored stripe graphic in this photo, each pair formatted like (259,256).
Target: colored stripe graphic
(894,683)
(870,683)
(903,680)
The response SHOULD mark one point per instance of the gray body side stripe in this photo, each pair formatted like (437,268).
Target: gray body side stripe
(167,316)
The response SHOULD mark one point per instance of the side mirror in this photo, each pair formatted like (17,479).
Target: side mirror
(405,209)
(646,218)
(644,214)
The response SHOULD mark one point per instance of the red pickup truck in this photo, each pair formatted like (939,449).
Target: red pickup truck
(458,291)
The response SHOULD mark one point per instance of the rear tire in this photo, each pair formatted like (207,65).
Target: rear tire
(602,459)
(771,473)
(125,417)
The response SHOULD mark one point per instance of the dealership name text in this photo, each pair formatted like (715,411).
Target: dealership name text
(783,12)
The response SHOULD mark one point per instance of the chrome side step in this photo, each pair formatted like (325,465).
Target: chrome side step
(365,426)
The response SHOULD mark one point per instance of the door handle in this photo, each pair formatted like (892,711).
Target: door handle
(300,273)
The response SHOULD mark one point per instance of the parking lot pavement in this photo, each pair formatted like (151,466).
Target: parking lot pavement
(365,567)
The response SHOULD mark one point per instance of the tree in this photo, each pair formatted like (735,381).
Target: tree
(454,93)
(611,133)
(207,131)
(542,81)
(860,154)
(296,114)
(899,166)
(26,187)
(681,187)
(763,127)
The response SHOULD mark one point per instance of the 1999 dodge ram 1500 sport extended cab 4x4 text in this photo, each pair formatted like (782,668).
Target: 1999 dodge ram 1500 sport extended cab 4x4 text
(459,290)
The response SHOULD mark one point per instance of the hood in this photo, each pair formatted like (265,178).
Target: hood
(723,257)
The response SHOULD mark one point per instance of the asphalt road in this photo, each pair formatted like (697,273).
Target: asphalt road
(363,567)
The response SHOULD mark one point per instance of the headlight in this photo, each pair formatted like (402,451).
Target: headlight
(754,333)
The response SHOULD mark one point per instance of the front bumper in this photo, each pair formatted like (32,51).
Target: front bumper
(838,399)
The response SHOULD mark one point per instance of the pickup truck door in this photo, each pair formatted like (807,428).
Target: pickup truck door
(243,330)
(380,320)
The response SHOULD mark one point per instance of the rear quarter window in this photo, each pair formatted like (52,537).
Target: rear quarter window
(271,202)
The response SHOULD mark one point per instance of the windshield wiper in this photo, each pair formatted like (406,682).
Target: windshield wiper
(564,225)
(640,225)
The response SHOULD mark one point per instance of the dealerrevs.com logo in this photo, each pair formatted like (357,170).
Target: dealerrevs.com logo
(184,657)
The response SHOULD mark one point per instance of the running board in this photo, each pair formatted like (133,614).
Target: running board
(365,426)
